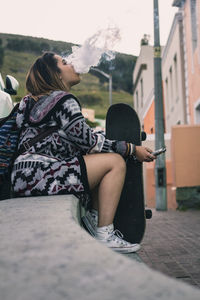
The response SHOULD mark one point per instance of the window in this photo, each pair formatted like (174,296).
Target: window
(137,104)
(142,91)
(171,87)
(193,16)
(167,94)
(176,77)
(197,113)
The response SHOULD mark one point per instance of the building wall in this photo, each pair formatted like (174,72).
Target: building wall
(150,186)
(185,148)
(186,166)
(89,114)
(172,75)
(149,175)
(181,61)
(149,120)
(193,59)
(146,112)
(182,165)
(143,81)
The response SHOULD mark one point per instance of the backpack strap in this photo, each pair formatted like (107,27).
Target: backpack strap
(31,142)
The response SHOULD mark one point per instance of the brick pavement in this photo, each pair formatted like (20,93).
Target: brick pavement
(171,244)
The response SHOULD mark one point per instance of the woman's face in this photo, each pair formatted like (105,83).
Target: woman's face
(68,75)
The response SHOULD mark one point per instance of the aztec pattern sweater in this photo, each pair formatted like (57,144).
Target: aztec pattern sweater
(55,165)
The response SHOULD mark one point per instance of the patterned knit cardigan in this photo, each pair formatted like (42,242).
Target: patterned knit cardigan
(67,145)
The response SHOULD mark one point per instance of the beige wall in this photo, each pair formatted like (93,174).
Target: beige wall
(89,114)
(149,175)
(182,105)
(185,148)
(193,63)
(182,163)
(173,76)
(142,106)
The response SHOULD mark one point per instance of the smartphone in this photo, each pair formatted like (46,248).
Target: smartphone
(158,152)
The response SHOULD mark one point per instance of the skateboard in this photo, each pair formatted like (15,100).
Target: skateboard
(122,123)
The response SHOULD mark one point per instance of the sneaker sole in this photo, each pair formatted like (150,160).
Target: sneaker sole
(87,226)
(126,250)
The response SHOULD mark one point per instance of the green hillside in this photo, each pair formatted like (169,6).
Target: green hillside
(92,92)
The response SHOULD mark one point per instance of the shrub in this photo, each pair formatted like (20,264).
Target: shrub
(92,124)
(90,99)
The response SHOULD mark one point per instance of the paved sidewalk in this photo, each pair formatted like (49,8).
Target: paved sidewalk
(171,244)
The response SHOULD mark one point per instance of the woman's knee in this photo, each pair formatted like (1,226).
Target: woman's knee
(98,165)
(118,161)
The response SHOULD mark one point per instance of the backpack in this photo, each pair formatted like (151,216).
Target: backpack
(9,134)
(9,137)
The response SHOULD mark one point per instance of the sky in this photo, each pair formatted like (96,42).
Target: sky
(76,20)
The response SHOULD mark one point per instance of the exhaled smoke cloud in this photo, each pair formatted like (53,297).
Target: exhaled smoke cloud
(90,53)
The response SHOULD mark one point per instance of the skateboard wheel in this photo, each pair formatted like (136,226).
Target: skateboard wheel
(143,136)
(148,213)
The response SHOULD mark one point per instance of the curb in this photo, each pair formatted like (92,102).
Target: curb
(44,254)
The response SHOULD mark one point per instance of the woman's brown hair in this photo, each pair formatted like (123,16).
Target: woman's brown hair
(43,77)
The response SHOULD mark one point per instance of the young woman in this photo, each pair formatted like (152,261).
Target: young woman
(73,159)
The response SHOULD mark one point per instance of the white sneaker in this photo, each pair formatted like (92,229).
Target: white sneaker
(90,221)
(114,240)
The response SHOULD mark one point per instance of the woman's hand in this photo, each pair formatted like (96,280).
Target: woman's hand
(144,154)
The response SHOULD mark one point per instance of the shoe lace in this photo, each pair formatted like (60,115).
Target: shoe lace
(117,236)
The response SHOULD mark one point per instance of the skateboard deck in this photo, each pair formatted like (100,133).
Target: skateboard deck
(122,123)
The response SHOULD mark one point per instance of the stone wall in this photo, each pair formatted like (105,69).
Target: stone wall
(45,254)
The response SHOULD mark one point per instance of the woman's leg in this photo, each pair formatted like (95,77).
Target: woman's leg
(107,172)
